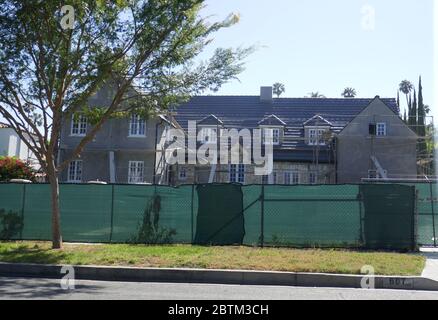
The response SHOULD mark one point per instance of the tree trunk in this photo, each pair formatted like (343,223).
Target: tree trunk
(56,225)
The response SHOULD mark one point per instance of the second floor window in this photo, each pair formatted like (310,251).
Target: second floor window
(136,172)
(79,125)
(137,126)
(75,171)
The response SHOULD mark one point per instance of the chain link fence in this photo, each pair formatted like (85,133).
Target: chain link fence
(345,216)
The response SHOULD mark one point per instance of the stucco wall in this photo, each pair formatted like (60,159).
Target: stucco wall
(395,152)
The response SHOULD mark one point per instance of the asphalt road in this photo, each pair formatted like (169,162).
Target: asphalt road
(27,288)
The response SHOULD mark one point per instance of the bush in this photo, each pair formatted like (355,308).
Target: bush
(13,168)
(11,224)
(149,232)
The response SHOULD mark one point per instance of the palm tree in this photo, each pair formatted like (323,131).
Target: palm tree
(316,94)
(278,88)
(349,93)
(406,87)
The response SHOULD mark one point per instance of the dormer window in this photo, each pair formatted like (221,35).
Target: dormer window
(316,137)
(274,133)
(208,135)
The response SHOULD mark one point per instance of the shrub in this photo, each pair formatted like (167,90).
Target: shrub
(11,224)
(149,232)
(13,168)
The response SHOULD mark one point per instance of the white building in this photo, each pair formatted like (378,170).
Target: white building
(11,145)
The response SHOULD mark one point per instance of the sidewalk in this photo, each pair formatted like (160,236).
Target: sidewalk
(431,269)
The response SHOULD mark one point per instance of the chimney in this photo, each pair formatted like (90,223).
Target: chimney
(266,94)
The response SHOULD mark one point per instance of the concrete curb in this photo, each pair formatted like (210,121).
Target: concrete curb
(239,277)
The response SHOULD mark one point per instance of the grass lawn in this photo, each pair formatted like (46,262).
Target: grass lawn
(186,256)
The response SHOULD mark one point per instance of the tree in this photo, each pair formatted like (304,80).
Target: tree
(406,87)
(278,89)
(349,93)
(53,59)
(421,122)
(316,94)
(413,117)
(13,168)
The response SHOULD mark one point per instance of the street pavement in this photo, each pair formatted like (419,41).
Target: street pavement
(31,288)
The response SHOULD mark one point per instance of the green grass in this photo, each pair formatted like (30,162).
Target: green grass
(186,256)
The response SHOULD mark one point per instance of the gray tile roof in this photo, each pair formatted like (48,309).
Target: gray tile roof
(249,111)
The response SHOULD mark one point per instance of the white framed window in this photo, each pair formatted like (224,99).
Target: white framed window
(381,129)
(208,135)
(291,177)
(316,137)
(313,178)
(182,173)
(237,173)
(272,132)
(136,172)
(78,125)
(75,171)
(137,126)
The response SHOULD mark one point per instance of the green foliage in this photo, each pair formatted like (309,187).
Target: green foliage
(149,232)
(278,89)
(13,168)
(349,93)
(11,224)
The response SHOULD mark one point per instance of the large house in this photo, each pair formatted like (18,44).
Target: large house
(316,141)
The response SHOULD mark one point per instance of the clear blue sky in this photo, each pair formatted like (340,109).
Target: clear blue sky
(321,45)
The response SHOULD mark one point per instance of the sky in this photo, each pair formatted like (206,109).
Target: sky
(325,46)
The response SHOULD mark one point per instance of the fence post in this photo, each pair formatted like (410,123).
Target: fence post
(23,203)
(262,217)
(112,213)
(192,213)
(433,213)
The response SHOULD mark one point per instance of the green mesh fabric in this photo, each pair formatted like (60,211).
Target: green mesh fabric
(302,216)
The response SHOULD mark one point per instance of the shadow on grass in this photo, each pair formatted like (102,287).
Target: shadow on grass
(25,254)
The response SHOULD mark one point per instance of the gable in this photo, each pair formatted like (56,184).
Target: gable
(377,111)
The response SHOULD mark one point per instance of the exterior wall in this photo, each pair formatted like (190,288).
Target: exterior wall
(96,165)
(395,152)
(11,145)
(200,174)
(112,137)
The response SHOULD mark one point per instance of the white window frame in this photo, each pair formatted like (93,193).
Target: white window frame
(135,172)
(379,132)
(210,133)
(74,173)
(316,136)
(291,178)
(274,132)
(78,125)
(137,126)
(236,173)
(182,173)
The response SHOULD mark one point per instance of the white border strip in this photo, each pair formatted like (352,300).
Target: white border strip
(435,58)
